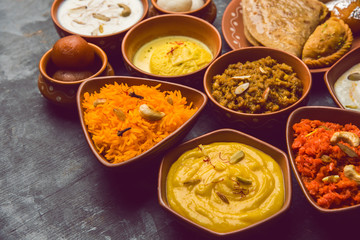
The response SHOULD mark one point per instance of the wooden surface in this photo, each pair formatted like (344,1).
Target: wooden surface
(51,185)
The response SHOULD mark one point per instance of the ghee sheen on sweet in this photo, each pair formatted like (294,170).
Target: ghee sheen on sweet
(225,186)
(172,56)
(99,17)
(348,91)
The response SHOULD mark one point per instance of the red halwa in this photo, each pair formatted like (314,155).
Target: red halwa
(321,163)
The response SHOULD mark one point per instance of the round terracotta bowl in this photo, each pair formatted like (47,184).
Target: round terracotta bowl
(206,12)
(64,92)
(224,135)
(109,43)
(339,68)
(325,114)
(170,25)
(196,97)
(249,120)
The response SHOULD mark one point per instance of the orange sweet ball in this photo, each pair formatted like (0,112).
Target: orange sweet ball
(72,52)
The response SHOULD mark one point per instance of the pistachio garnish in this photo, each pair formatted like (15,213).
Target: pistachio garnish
(236,157)
(355,76)
(331,179)
(241,88)
(99,101)
(126,12)
(243,180)
(150,114)
(222,197)
(192,182)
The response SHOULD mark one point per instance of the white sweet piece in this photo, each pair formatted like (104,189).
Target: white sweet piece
(196,4)
(175,5)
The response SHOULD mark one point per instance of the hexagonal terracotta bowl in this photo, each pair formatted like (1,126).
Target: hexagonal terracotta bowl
(110,43)
(170,25)
(197,98)
(340,67)
(223,135)
(322,113)
(252,54)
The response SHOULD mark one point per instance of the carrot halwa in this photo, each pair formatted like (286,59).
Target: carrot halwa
(327,158)
(125,121)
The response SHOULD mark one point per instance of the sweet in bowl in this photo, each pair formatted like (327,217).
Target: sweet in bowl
(103,23)
(225,182)
(181,48)
(128,119)
(257,86)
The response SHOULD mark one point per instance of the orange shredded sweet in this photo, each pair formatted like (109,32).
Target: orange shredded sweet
(121,138)
(311,144)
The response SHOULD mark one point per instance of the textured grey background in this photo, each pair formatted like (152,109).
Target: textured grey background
(52,187)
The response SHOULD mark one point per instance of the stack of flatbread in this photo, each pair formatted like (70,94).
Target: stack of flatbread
(282,24)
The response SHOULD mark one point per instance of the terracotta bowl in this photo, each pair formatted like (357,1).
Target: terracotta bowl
(340,67)
(206,12)
(223,135)
(170,25)
(322,113)
(109,43)
(198,99)
(252,54)
(64,92)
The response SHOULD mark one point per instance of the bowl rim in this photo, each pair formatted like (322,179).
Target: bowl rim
(156,6)
(235,51)
(333,68)
(189,145)
(56,3)
(101,159)
(46,58)
(292,156)
(175,15)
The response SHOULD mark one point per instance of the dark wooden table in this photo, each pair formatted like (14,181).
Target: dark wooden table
(51,185)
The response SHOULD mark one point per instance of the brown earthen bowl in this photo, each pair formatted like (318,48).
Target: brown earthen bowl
(339,68)
(64,92)
(224,135)
(321,113)
(170,25)
(110,43)
(197,98)
(207,12)
(252,54)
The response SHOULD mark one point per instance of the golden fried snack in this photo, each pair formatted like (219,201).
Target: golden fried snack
(282,24)
(329,42)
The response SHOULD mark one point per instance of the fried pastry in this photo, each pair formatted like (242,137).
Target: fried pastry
(330,41)
(282,24)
